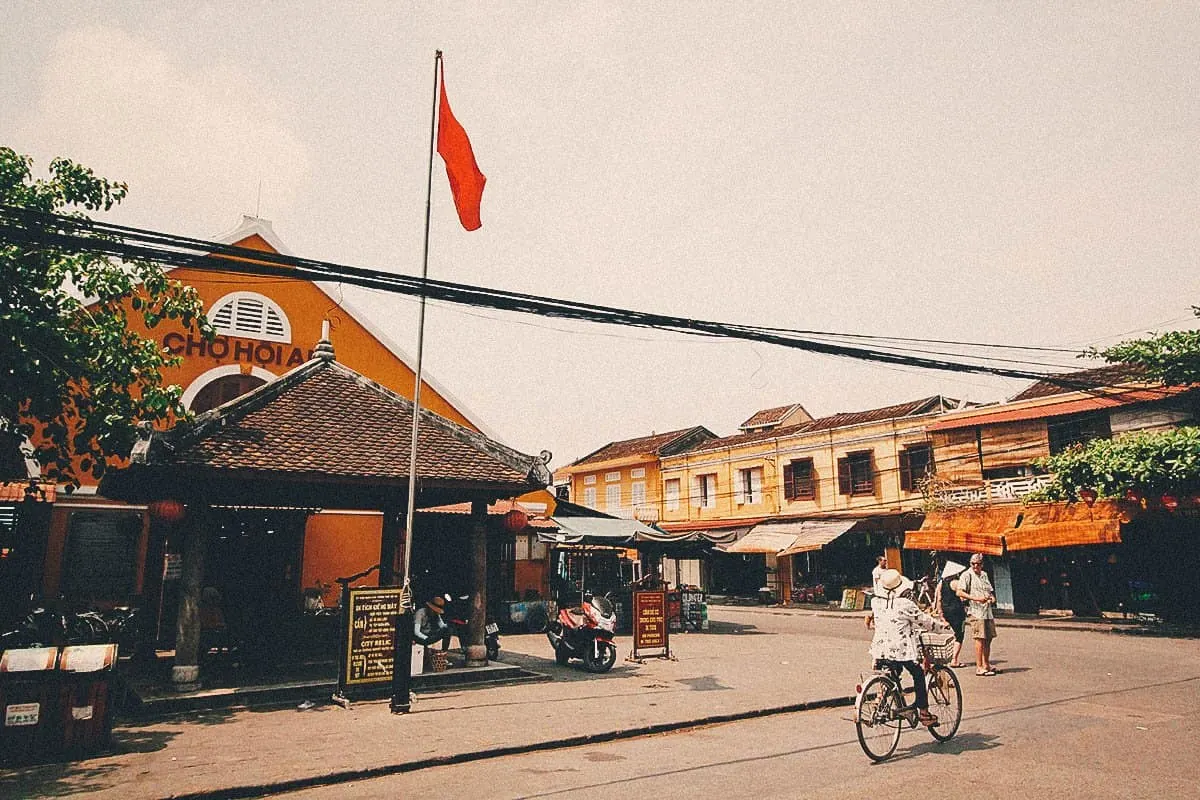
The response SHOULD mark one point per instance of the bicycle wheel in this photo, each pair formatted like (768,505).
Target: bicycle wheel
(877,720)
(945,700)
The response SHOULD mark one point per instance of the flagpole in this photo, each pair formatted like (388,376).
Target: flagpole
(412,461)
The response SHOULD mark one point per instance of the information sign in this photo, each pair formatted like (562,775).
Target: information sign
(370,636)
(650,624)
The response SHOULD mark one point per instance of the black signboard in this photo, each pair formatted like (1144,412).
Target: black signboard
(369,644)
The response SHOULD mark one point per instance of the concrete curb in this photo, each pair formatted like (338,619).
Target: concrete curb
(346,776)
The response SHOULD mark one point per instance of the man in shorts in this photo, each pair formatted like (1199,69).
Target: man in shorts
(975,589)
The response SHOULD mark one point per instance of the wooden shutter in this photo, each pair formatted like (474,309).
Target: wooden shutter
(789,481)
(844,483)
(906,475)
(739,491)
(695,491)
(756,484)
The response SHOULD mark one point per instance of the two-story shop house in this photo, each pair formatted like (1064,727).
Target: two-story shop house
(818,498)
(622,478)
(1108,556)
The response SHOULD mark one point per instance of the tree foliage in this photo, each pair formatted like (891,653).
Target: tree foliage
(71,369)
(1173,357)
(1151,462)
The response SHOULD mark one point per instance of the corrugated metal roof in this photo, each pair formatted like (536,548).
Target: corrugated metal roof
(1097,402)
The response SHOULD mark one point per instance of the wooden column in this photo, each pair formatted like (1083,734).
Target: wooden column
(185,673)
(476,650)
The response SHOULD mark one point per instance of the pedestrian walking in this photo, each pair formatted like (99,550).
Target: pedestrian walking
(975,589)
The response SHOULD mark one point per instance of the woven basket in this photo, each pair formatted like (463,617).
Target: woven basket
(938,647)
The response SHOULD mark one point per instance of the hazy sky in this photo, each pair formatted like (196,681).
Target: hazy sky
(1021,173)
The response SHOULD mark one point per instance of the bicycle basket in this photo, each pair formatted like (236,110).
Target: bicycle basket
(938,647)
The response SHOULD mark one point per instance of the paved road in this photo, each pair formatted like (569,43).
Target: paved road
(1071,707)
(1073,714)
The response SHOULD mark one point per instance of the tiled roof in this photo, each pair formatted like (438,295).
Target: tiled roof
(925,405)
(643,446)
(754,436)
(323,418)
(1111,375)
(770,416)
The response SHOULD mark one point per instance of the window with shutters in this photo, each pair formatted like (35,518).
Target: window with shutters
(856,473)
(706,490)
(612,498)
(251,316)
(799,480)
(637,493)
(671,493)
(589,496)
(749,490)
(916,464)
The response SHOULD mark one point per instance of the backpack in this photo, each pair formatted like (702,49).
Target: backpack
(952,604)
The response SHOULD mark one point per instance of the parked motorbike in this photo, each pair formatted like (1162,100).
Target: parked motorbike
(458,617)
(50,624)
(585,632)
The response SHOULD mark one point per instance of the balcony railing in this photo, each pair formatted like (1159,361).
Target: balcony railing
(1000,490)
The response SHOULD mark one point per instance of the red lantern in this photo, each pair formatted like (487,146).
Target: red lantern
(1170,502)
(515,520)
(1088,496)
(167,510)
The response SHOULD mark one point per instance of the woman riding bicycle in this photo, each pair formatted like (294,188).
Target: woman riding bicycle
(898,623)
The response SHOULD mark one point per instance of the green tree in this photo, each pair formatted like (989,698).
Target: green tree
(1173,357)
(71,368)
(1152,462)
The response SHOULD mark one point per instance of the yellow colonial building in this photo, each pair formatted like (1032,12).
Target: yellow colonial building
(818,497)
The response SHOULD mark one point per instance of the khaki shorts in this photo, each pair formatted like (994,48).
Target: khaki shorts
(982,628)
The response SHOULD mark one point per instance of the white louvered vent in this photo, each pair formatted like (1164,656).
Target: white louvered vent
(251,316)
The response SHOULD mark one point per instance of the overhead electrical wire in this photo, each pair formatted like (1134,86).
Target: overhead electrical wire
(74,234)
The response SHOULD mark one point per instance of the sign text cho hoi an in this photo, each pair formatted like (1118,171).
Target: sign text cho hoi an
(650,624)
(370,636)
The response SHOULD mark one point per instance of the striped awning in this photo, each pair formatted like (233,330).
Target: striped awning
(762,540)
(813,534)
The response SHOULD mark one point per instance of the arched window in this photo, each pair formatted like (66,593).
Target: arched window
(222,390)
(252,316)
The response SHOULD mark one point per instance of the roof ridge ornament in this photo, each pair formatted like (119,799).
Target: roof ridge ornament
(324,348)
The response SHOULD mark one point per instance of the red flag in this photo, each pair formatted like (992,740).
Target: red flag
(466,181)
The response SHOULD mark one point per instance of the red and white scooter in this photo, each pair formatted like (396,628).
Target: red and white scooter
(585,632)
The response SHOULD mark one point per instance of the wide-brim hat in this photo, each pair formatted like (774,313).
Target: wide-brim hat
(952,568)
(893,582)
(436,604)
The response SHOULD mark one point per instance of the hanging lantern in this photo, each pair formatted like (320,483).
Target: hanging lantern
(1088,496)
(167,510)
(1170,502)
(1133,495)
(515,520)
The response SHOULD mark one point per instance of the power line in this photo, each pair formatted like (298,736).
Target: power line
(79,234)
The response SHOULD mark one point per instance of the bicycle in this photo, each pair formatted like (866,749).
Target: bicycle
(880,710)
